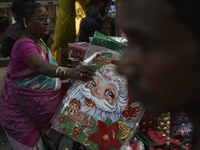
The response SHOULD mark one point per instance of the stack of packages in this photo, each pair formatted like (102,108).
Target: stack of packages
(99,113)
(77,50)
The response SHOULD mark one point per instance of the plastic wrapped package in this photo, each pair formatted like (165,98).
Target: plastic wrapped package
(77,50)
(119,39)
(181,125)
(99,113)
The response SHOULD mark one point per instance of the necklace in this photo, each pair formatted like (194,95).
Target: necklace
(42,48)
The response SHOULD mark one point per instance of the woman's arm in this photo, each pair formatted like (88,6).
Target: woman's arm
(39,65)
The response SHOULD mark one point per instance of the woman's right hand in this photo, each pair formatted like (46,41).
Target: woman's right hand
(80,72)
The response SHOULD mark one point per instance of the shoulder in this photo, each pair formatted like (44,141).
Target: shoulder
(25,43)
(14,27)
(88,22)
(14,32)
(25,40)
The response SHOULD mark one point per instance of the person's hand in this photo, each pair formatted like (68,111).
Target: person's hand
(80,72)
(106,19)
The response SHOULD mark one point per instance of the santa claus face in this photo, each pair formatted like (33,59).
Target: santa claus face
(102,89)
(101,97)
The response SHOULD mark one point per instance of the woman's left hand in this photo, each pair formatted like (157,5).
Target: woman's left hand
(80,72)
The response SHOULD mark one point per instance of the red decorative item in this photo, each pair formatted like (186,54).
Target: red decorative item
(97,56)
(144,124)
(76,129)
(130,111)
(149,123)
(75,133)
(105,135)
(137,109)
(152,148)
(136,146)
(180,138)
(161,138)
(144,131)
(64,129)
(114,62)
(61,119)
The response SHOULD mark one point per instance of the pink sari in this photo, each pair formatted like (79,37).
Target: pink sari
(41,104)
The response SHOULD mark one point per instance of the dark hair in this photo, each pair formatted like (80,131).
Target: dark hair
(27,10)
(97,2)
(16,6)
(188,11)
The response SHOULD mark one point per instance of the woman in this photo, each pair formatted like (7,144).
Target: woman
(35,77)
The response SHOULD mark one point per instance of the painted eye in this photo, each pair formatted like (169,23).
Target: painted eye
(110,93)
(93,83)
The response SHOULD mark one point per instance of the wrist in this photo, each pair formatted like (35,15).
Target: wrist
(61,72)
(69,73)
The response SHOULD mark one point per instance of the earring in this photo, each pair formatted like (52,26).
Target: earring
(24,22)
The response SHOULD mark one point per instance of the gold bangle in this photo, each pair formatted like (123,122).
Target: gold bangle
(57,72)
(65,74)
(60,72)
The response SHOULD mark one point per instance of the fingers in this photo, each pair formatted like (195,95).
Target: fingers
(83,73)
(87,70)
(86,77)
(83,77)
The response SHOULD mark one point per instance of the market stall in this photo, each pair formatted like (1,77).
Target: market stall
(164,131)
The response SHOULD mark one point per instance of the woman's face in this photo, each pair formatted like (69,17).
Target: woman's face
(35,27)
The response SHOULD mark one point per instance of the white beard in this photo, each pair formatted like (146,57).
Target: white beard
(103,109)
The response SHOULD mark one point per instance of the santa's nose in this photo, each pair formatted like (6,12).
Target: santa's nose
(97,92)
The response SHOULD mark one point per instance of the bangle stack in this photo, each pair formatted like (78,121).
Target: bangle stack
(61,72)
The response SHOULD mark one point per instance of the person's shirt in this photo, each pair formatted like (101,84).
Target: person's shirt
(10,36)
(21,53)
(88,26)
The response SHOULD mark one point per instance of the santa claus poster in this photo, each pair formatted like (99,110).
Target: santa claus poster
(99,113)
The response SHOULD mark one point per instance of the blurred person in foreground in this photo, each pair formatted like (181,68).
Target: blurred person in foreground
(162,60)
(97,19)
(35,77)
